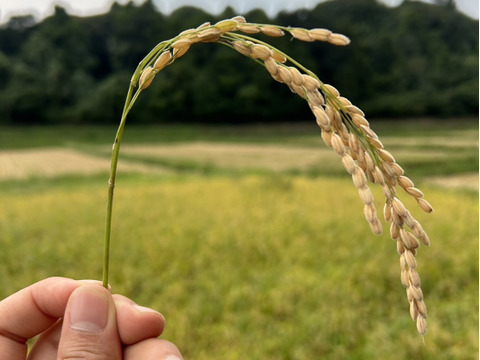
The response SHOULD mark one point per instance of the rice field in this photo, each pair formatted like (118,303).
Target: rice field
(253,249)
(444,156)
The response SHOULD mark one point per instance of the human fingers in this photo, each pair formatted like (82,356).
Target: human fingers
(89,329)
(136,323)
(31,311)
(46,345)
(152,349)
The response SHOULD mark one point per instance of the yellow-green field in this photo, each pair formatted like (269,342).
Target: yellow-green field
(251,261)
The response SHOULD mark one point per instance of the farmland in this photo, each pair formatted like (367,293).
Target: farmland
(251,240)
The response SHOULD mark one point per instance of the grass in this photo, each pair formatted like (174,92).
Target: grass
(258,265)
(276,268)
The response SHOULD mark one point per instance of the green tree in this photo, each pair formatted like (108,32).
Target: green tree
(416,59)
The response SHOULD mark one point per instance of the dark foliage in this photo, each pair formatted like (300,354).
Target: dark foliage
(413,60)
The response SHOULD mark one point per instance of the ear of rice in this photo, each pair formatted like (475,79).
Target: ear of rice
(243,47)
(204,25)
(424,205)
(227,25)
(297,77)
(249,28)
(279,57)
(271,66)
(319,34)
(413,191)
(301,34)
(338,39)
(272,31)
(344,128)
(314,97)
(209,35)
(322,119)
(261,52)
(331,90)
(310,82)
(239,19)
(284,75)
(146,78)
(163,60)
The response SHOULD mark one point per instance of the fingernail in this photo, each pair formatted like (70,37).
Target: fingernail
(90,281)
(96,282)
(88,309)
(144,309)
(172,357)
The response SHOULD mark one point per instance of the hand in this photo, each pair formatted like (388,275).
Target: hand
(96,325)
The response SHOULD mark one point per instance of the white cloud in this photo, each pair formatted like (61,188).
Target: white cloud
(42,8)
(272,7)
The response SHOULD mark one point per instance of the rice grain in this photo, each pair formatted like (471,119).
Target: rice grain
(272,31)
(146,78)
(301,34)
(162,61)
(338,39)
(319,34)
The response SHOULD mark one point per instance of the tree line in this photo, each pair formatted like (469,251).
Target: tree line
(416,59)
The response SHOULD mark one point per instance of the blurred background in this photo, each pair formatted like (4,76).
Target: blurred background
(231,216)
(414,59)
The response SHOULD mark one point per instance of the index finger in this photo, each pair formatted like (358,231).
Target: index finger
(31,311)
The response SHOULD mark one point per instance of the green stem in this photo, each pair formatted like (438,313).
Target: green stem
(111,181)
(130,100)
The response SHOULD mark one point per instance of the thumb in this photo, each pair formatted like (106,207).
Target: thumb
(90,327)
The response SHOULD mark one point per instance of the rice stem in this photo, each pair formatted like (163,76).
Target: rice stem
(111,181)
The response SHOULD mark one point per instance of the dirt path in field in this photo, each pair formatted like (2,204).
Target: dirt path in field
(241,156)
(50,162)
(466,181)
(282,158)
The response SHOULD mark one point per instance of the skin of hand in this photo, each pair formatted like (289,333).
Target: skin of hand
(79,320)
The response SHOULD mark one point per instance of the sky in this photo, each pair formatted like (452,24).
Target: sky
(43,8)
